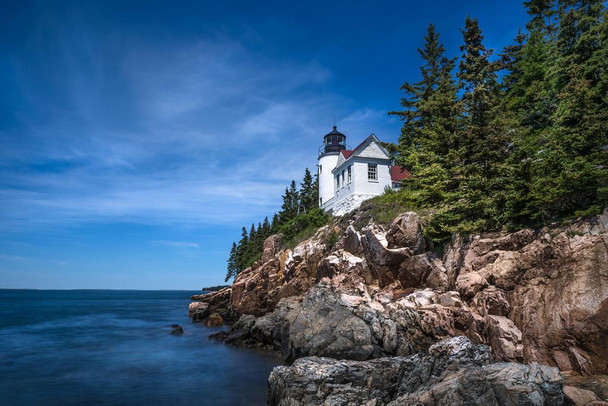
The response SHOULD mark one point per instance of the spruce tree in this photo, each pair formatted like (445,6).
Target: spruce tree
(307,196)
(481,172)
(232,264)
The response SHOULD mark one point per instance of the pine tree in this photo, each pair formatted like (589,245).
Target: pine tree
(308,199)
(290,206)
(241,251)
(232,265)
(569,175)
(415,118)
(483,144)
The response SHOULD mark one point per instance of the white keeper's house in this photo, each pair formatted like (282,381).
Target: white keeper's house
(349,177)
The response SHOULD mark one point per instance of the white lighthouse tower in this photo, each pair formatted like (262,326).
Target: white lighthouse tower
(333,143)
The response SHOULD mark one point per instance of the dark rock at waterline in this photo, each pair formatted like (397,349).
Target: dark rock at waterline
(455,371)
(214,320)
(177,330)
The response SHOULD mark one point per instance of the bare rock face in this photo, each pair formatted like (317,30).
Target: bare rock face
(454,372)
(504,337)
(420,271)
(383,261)
(258,289)
(272,246)
(552,285)
(406,231)
(330,322)
(213,302)
(351,242)
(531,296)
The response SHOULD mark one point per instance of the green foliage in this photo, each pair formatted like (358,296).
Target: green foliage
(303,226)
(384,208)
(527,150)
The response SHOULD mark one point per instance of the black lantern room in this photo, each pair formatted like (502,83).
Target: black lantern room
(335,141)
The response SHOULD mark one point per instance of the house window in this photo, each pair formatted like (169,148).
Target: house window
(320,169)
(342,178)
(338,181)
(372,172)
(350,177)
(320,202)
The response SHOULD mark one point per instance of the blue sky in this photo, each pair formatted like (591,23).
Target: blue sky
(137,137)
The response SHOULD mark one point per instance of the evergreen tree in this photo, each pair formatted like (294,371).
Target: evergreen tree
(290,206)
(481,173)
(232,263)
(569,175)
(274,226)
(415,118)
(308,193)
(241,251)
(266,228)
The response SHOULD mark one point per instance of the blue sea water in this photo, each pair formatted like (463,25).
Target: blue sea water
(107,347)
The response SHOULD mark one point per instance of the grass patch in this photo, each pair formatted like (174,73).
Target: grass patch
(382,209)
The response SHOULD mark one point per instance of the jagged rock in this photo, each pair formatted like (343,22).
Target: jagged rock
(259,288)
(420,271)
(582,397)
(382,261)
(455,372)
(213,302)
(331,322)
(194,306)
(549,287)
(552,284)
(469,284)
(346,270)
(504,337)
(352,241)
(406,231)
(272,246)
(201,312)
(450,299)
(493,301)
(598,384)
(251,289)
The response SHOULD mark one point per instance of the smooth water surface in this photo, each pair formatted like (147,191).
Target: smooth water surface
(106,347)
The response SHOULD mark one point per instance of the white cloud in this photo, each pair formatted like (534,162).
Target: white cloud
(216,134)
(178,244)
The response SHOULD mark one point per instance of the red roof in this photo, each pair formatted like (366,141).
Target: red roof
(346,153)
(398,173)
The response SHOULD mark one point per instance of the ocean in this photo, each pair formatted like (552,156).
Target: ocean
(112,347)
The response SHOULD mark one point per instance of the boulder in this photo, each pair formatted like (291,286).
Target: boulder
(177,330)
(406,231)
(382,261)
(194,306)
(351,242)
(214,320)
(201,312)
(420,271)
(214,302)
(504,337)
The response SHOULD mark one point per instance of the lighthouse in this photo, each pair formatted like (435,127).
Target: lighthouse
(333,143)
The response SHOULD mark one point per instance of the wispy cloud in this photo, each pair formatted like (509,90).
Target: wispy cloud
(178,244)
(213,135)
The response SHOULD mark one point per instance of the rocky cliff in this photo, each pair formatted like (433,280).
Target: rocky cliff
(533,296)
